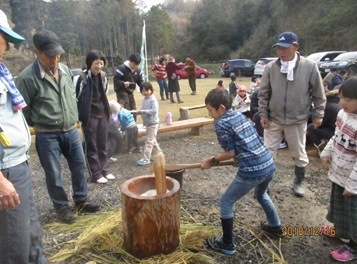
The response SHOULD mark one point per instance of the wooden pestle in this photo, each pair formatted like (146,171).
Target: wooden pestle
(160,174)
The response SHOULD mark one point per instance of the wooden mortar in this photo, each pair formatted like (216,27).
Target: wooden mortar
(151,224)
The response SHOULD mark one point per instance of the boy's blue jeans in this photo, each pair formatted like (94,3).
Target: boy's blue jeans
(240,187)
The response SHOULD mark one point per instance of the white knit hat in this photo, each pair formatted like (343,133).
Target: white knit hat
(114,106)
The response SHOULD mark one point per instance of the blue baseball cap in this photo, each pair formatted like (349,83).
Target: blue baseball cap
(286,40)
(13,37)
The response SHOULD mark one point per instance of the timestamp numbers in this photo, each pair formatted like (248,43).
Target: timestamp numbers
(290,231)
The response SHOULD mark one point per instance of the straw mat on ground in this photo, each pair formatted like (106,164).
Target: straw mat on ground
(98,239)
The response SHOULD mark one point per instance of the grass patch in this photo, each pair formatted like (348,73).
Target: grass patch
(203,87)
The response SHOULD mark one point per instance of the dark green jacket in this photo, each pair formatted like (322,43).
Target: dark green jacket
(50,107)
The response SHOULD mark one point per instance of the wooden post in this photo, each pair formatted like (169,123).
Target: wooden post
(160,174)
(151,224)
(184,113)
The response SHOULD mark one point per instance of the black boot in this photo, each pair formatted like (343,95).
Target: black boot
(299,177)
(227,227)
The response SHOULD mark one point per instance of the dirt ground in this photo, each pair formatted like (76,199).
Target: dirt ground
(200,193)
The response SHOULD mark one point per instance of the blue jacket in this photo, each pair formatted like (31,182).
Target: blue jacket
(126,119)
(336,80)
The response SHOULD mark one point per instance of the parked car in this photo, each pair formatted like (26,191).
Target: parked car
(347,61)
(260,65)
(239,67)
(200,73)
(323,57)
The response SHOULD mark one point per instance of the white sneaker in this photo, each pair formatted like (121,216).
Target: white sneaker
(143,162)
(110,177)
(345,240)
(102,180)
(282,145)
(111,160)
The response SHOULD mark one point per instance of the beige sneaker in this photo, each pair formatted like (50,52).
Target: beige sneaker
(313,153)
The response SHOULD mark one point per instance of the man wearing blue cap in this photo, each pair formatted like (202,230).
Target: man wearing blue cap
(290,85)
(20,236)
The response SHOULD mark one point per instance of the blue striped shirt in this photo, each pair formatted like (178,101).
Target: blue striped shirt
(236,133)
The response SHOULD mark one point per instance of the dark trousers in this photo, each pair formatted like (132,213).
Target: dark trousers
(192,82)
(132,137)
(96,137)
(128,99)
(258,125)
(115,140)
(316,135)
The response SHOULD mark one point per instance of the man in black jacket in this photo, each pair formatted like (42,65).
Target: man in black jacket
(321,135)
(255,114)
(126,77)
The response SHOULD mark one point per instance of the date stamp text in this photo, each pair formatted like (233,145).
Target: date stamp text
(290,231)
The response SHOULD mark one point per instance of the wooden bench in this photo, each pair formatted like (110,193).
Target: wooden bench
(196,125)
(185,110)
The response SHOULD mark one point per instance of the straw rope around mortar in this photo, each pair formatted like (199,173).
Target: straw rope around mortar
(98,239)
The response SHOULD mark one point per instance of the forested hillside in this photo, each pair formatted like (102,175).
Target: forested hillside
(209,30)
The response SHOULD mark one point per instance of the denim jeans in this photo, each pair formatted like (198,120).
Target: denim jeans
(177,96)
(20,231)
(49,147)
(240,187)
(164,88)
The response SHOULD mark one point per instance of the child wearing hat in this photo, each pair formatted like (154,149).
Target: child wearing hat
(128,126)
(242,101)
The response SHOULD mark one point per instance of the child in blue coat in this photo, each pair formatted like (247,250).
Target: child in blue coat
(128,126)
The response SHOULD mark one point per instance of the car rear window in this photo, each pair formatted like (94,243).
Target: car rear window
(315,56)
(346,56)
(247,63)
(236,63)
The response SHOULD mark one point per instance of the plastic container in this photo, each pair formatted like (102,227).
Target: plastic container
(168,119)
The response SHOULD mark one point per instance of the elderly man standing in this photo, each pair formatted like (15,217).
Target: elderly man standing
(20,233)
(289,86)
(48,90)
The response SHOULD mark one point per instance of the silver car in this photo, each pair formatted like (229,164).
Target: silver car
(260,65)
